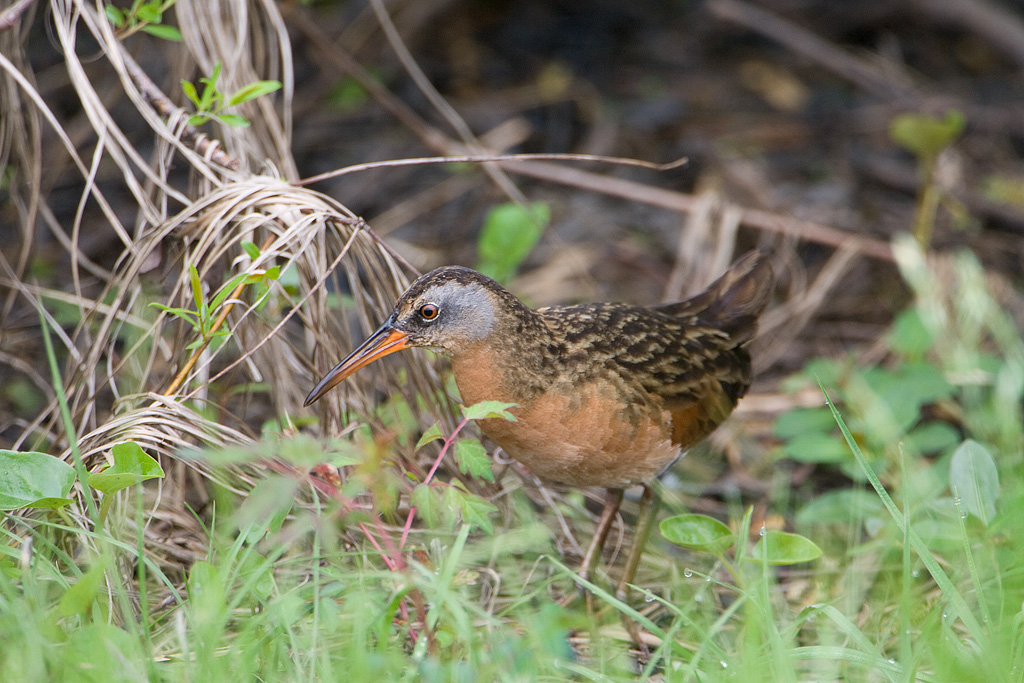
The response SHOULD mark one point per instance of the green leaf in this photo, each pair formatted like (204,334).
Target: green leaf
(926,136)
(489,409)
(132,465)
(430,507)
(973,477)
(190,316)
(816,447)
(933,437)
(265,508)
(780,547)
(899,395)
(348,95)
(475,510)
(509,233)
(251,249)
(344,453)
(252,91)
(472,458)
(303,450)
(189,89)
(1004,188)
(273,272)
(197,286)
(114,15)
(78,598)
(210,93)
(257,575)
(909,335)
(698,532)
(431,434)
(93,651)
(841,506)
(226,290)
(150,13)
(207,590)
(50,503)
(799,421)
(23,396)
(233,120)
(826,370)
(33,479)
(198,119)
(926,381)
(254,278)
(163,32)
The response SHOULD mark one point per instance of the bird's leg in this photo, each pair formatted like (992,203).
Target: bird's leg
(612,501)
(645,520)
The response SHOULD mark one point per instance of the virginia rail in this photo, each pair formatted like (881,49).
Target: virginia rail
(608,394)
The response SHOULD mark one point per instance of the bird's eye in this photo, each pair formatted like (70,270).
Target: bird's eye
(429,311)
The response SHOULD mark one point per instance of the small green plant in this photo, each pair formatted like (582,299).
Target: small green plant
(926,137)
(34,480)
(438,501)
(445,508)
(211,103)
(932,422)
(131,466)
(509,233)
(38,480)
(145,16)
(932,441)
(899,404)
(760,637)
(709,535)
(348,95)
(912,539)
(207,317)
(955,369)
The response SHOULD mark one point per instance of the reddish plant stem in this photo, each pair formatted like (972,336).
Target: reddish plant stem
(430,475)
(394,556)
(373,540)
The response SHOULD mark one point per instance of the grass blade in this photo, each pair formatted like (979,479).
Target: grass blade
(941,578)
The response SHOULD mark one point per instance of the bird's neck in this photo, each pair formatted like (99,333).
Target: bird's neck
(509,365)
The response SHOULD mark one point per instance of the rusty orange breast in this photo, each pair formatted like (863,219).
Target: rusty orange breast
(576,434)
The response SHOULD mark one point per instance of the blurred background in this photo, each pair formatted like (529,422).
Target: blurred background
(178,212)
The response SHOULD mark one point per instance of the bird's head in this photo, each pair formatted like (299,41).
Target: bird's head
(447,310)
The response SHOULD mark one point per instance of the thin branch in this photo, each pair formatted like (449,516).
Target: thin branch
(9,17)
(677,201)
(866,75)
(439,102)
(486,158)
(338,58)
(998,25)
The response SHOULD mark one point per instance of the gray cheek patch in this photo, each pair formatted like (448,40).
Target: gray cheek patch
(470,310)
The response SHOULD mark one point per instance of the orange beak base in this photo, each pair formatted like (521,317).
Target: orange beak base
(383,342)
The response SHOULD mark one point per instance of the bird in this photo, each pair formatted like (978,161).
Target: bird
(606,394)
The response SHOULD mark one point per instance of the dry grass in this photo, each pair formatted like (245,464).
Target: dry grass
(165,196)
(195,200)
(103,138)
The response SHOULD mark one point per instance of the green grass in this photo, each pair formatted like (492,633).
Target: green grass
(296,605)
(922,577)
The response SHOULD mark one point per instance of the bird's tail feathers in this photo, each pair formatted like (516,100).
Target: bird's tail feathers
(734,301)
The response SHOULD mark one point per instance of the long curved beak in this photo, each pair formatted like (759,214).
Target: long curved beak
(386,340)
